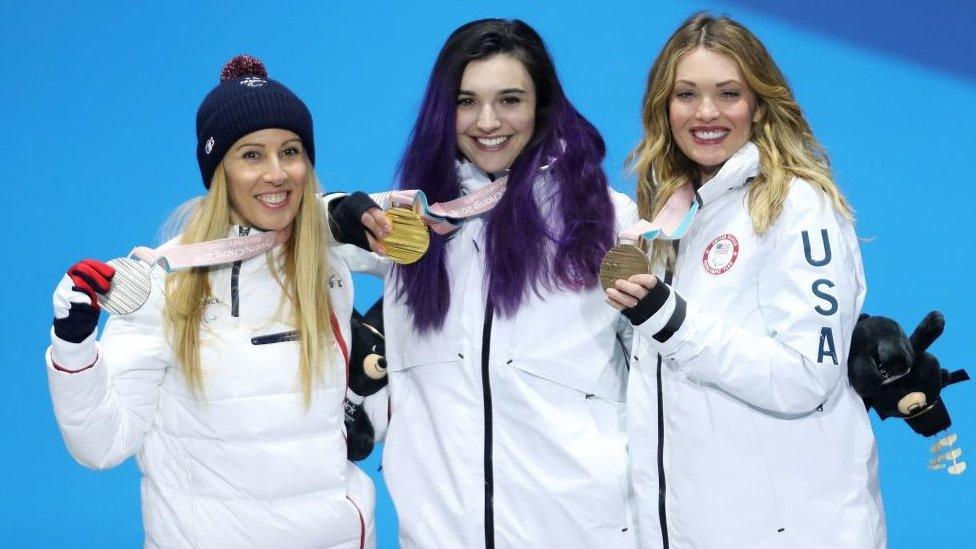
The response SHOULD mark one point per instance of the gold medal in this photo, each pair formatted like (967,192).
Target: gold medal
(409,239)
(622,262)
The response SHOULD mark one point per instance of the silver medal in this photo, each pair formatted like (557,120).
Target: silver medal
(130,289)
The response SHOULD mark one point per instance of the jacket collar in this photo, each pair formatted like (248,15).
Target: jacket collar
(470,177)
(247,230)
(737,172)
(243,230)
(473,178)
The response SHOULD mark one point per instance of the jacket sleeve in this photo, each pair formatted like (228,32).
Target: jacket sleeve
(104,412)
(810,291)
(625,215)
(625,211)
(356,259)
(361,261)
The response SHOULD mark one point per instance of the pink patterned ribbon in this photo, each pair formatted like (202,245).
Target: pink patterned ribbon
(213,252)
(445,217)
(671,223)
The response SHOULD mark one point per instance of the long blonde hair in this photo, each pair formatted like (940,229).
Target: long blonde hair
(787,147)
(304,277)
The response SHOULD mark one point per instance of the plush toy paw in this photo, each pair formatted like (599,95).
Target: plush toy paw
(359,431)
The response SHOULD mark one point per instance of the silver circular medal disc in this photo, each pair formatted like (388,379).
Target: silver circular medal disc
(130,289)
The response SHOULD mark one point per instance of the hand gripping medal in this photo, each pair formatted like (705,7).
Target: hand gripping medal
(409,239)
(622,262)
(410,214)
(132,282)
(671,223)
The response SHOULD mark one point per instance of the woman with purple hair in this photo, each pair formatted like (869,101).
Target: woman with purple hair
(507,375)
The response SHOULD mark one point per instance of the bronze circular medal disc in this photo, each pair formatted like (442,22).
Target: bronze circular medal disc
(130,289)
(622,262)
(409,239)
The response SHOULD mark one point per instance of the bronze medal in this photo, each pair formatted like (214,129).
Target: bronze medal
(622,262)
(409,239)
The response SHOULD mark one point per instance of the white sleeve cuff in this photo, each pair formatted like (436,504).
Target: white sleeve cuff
(73,357)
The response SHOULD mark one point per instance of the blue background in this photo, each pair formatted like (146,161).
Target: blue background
(97,106)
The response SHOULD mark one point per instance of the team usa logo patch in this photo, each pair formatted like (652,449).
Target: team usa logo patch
(721,254)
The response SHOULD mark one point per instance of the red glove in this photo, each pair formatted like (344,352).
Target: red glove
(75,304)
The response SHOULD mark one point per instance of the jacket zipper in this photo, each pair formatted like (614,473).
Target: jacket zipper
(661,484)
(661,480)
(280,337)
(486,398)
(235,273)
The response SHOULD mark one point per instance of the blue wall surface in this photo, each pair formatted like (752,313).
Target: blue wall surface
(98,105)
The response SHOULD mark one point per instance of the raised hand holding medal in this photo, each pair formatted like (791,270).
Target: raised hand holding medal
(410,215)
(671,223)
(132,284)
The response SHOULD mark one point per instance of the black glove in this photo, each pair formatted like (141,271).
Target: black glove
(345,218)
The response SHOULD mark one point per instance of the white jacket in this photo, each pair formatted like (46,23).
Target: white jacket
(748,434)
(514,433)
(247,466)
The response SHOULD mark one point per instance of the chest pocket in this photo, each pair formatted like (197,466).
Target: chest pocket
(410,356)
(406,349)
(570,339)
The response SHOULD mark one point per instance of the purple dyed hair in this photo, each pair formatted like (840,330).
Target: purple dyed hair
(524,251)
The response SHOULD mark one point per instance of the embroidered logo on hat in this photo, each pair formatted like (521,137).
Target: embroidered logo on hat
(209,146)
(253,82)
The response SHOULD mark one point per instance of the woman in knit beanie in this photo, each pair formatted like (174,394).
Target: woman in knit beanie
(228,382)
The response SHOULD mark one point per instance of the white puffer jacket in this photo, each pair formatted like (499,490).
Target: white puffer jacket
(747,433)
(508,432)
(246,466)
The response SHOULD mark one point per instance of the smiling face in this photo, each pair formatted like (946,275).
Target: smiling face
(495,112)
(266,172)
(711,110)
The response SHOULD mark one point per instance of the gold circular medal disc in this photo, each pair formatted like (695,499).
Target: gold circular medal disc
(409,239)
(622,262)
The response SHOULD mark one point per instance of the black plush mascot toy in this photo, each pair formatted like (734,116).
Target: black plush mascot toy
(897,376)
(367,375)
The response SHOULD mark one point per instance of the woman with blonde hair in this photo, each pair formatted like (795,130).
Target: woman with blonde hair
(228,382)
(743,428)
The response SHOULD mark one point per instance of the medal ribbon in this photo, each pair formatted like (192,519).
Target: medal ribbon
(445,217)
(213,252)
(671,223)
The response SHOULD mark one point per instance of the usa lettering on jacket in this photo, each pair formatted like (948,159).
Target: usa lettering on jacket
(821,290)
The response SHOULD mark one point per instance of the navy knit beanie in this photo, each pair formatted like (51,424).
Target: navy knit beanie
(246,101)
